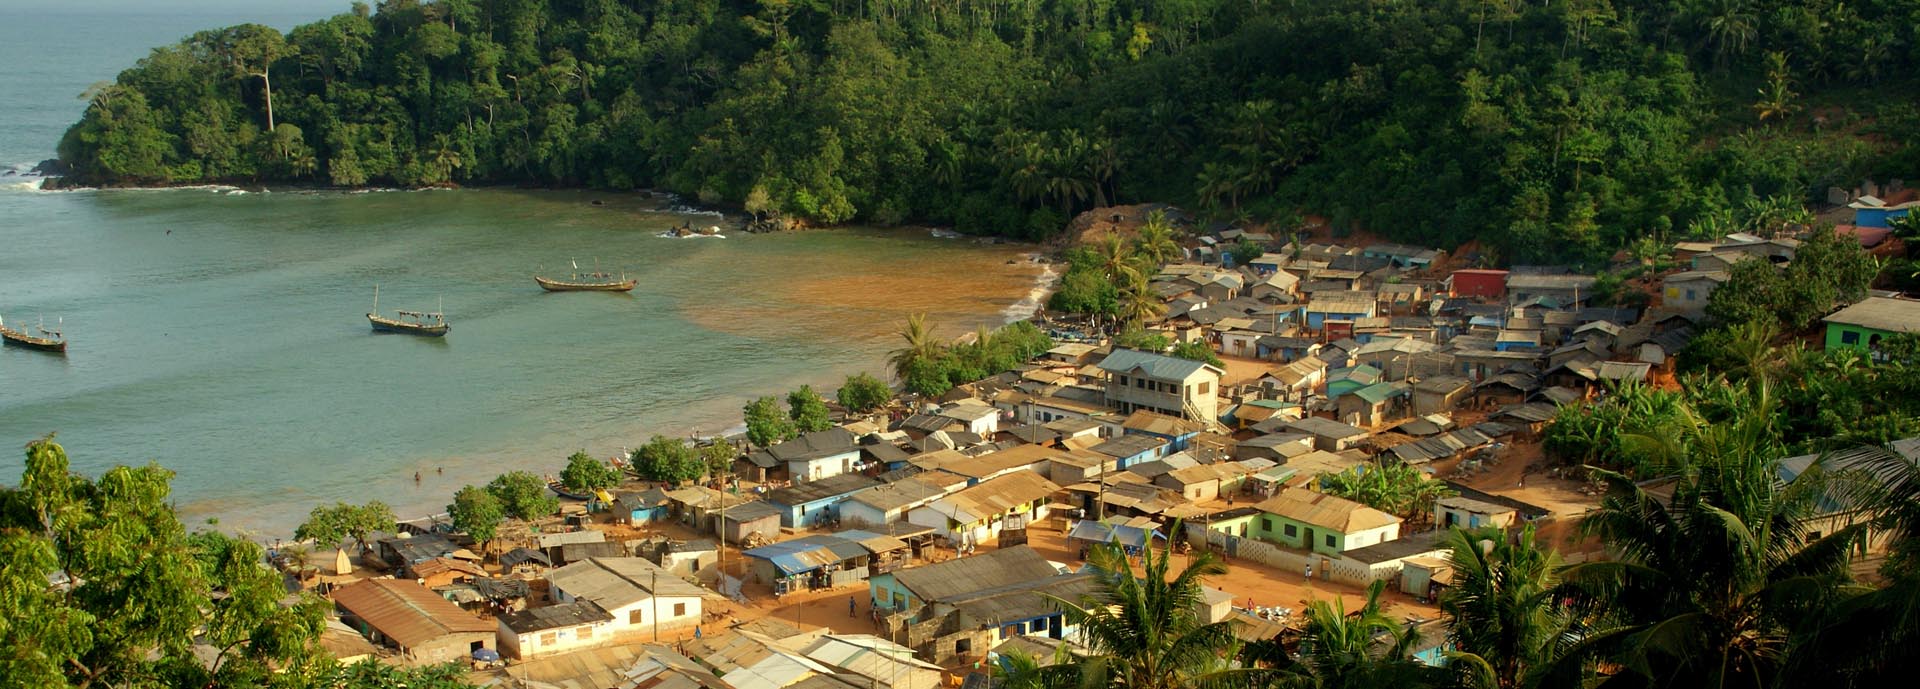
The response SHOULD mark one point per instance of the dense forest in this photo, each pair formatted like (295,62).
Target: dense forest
(1555,129)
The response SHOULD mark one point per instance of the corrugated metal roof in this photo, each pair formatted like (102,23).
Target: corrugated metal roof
(995,496)
(555,616)
(616,582)
(1322,510)
(823,489)
(407,612)
(549,540)
(1158,366)
(959,577)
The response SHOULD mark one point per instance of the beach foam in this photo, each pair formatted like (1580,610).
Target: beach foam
(1036,297)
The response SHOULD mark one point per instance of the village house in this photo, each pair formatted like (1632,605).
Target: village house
(1328,435)
(1375,404)
(553,629)
(958,609)
(638,508)
(640,595)
(1319,313)
(1074,354)
(743,523)
(746,659)
(867,660)
(1128,450)
(816,561)
(1564,289)
(977,513)
(817,455)
(1689,291)
(1439,394)
(1490,285)
(425,628)
(888,503)
(1203,482)
(804,505)
(1864,325)
(1467,513)
(979,419)
(1176,431)
(1176,387)
(1346,380)
(1322,523)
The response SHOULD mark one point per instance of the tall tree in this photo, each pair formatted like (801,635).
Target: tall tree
(921,347)
(1500,607)
(862,393)
(584,474)
(523,495)
(477,513)
(767,425)
(808,411)
(328,525)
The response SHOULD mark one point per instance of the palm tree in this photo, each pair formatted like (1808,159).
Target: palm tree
(1730,26)
(1362,649)
(1138,302)
(1500,608)
(1117,262)
(1867,640)
(1144,632)
(300,558)
(1154,244)
(1709,583)
(921,346)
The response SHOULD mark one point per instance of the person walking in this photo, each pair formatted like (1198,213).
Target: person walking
(852,602)
(1309,571)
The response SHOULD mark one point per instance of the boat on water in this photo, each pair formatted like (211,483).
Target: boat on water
(423,323)
(595,281)
(42,339)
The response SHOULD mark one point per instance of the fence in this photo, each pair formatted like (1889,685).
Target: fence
(1325,568)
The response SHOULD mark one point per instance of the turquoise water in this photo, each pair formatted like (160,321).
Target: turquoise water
(221,333)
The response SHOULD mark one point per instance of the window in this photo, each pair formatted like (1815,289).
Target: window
(1849,337)
(634,617)
(586,633)
(1690,296)
(1291,531)
(1243,531)
(1330,541)
(1206,388)
(679,609)
(547,639)
(1266,523)
(962,646)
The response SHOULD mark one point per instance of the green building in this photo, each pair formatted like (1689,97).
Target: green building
(1862,325)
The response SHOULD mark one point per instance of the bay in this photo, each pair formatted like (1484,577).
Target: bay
(222,334)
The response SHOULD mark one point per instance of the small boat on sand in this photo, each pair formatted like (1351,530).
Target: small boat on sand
(586,282)
(43,339)
(561,490)
(425,324)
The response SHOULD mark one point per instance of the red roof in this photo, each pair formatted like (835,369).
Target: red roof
(1868,236)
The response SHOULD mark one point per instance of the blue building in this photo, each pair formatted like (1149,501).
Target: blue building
(1132,449)
(640,507)
(1176,432)
(1872,212)
(807,504)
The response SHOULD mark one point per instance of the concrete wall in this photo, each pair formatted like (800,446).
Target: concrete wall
(551,641)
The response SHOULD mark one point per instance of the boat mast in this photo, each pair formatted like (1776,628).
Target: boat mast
(376,298)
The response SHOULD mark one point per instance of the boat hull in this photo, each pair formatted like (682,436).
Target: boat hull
(15,338)
(564,286)
(388,325)
(563,492)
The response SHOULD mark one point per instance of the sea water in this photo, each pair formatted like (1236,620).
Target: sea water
(221,332)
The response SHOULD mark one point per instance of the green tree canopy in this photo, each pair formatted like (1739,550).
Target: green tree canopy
(329,525)
(523,495)
(667,459)
(863,393)
(767,424)
(808,411)
(584,473)
(1197,351)
(477,513)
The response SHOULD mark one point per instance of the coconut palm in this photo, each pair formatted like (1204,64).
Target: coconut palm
(1139,304)
(1501,611)
(1865,640)
(1117,261)
(1708,583)
(921,346)
(1361,649)
(1154,244)
(1144,632)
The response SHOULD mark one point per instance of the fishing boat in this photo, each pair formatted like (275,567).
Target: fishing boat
(46,340)
(561,490)
(427,324)
(586,282)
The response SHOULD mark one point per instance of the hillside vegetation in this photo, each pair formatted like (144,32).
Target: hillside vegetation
(1549,130)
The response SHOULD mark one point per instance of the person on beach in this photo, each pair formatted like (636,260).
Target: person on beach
(416,477)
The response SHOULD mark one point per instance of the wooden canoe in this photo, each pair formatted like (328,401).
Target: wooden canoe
(394,325)
(567,286)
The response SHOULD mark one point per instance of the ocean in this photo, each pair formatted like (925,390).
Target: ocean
(221,332)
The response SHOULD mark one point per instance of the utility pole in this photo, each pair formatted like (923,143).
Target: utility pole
(656,604)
